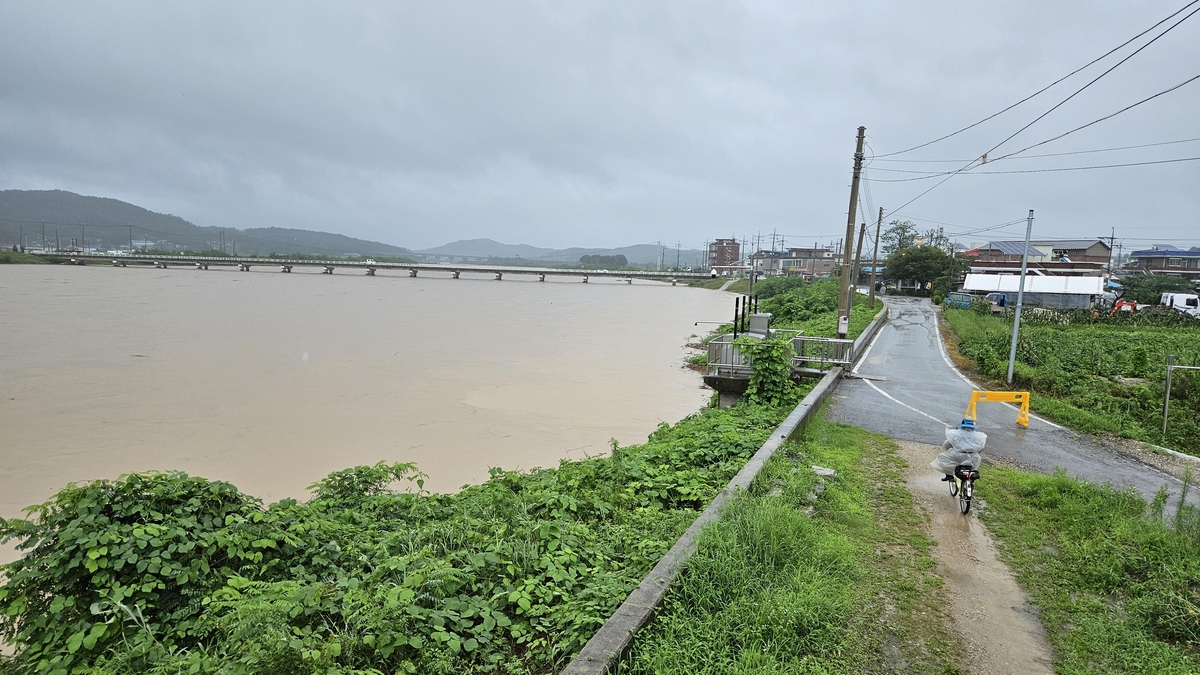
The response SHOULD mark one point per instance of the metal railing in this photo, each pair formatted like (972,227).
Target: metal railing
(824,352)
(814,353)
(725,360)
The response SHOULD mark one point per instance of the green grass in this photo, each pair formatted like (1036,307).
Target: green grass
(1118,590)
(13,258)
(770,590)
(711,284)
(1097,378)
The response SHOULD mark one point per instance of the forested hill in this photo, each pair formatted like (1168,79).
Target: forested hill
(109,223)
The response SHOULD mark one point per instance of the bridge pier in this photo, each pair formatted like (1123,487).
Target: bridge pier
(157,263)
(328,269)
(629,280)
(412,273)
(243,267)
(370,271)
(585,278)
(454,274)
(282,268)
(541,277)
(499,276)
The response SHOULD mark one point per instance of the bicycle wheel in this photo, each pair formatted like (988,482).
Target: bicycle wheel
(953,486)
(964,498)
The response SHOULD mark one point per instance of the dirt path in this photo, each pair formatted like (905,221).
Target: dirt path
(1000,631)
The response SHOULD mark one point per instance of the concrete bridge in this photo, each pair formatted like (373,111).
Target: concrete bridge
(369,267)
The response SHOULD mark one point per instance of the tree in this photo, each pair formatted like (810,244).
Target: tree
(901,234)
(604,261)
(934,237)
(1148,288)
(922,264)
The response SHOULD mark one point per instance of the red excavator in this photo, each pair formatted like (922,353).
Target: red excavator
(1123,306)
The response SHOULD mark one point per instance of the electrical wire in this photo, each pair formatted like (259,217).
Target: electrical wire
(1053,170)
(1049,154)
(1052,84)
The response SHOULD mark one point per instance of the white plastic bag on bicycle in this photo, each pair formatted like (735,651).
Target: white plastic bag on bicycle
(962,447)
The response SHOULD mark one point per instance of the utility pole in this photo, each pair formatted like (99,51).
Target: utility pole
(131,238)
(677,246)
(875,259)
(43,237)
(844,309)
(83,237)
(1012,348)
(1111,239)
(57,244)
(21,238)
(862,231)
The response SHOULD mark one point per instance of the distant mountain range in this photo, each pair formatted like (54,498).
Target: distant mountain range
(109,224)
(640,254)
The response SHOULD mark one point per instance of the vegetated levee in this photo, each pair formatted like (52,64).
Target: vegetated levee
(162,572)
(1098,375)
(1117,585)
(850,589)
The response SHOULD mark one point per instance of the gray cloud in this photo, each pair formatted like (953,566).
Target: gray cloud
(564,124)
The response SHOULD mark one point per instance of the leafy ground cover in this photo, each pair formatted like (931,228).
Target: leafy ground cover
(1116,584)
(8,257)
(851,589)
(168,573)
(1096,375)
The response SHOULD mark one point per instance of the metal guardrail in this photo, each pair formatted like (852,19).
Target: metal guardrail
(824,352)
(813,353)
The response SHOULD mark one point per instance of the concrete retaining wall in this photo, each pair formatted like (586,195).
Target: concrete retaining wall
(614,637)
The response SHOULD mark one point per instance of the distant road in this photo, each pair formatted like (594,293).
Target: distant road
(919,392)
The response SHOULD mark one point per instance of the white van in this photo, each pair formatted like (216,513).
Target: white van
(1188,303)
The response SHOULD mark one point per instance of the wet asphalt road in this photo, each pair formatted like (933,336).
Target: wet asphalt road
(926,393)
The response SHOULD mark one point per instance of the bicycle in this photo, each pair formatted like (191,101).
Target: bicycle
(963,486)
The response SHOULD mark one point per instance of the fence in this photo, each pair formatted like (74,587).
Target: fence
(812,353)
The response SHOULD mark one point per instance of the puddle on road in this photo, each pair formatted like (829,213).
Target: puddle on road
(999,628)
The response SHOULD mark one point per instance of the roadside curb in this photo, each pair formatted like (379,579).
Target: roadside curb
(611,640)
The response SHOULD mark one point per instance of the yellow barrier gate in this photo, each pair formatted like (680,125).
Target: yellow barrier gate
(1021,397)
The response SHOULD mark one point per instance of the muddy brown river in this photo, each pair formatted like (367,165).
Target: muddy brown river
(272,380)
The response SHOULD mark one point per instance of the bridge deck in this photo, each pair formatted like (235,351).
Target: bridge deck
(363,265)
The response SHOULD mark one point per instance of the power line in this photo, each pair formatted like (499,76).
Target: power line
(1065,168)
(1050,154)
(1047,87)
(1106,117)
(971,164)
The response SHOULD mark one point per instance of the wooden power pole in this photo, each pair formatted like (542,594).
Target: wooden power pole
(843,308)
(875,259)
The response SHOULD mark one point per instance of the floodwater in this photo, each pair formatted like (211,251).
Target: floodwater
(271,381)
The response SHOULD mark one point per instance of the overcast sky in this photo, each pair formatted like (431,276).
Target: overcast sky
(597,124)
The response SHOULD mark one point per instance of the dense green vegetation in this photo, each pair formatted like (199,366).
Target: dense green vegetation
(603,261)
(810,306)
(1098,375)
(1147,289)
(9,257)
(773,590)
(167,573)
(1117,585)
